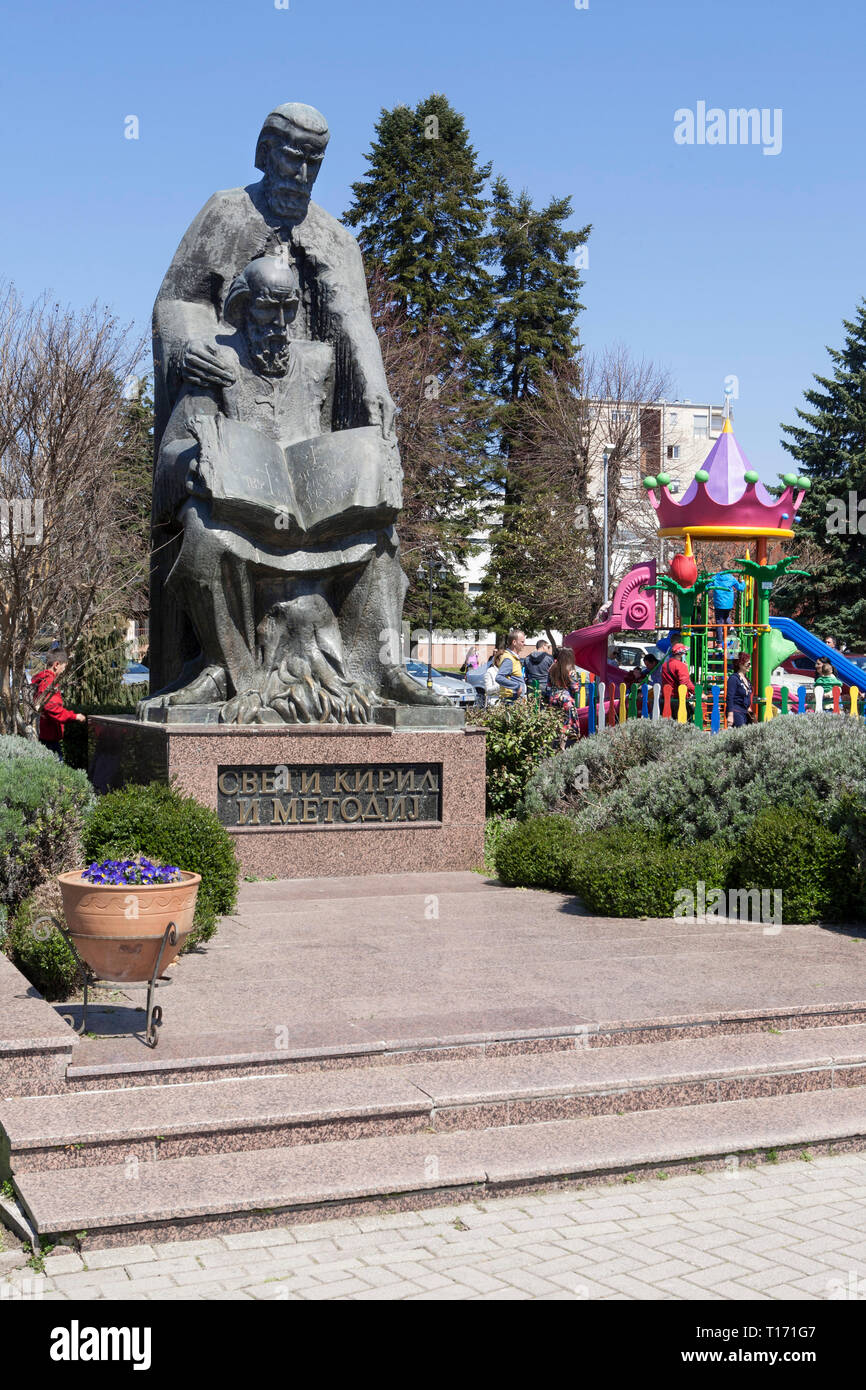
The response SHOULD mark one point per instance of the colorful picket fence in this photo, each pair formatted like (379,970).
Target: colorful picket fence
(606,707)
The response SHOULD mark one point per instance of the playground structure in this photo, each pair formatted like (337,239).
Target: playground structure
(725,502)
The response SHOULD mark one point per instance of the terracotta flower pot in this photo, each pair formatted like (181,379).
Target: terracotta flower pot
(118,929)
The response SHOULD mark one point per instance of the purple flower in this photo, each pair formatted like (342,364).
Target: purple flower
(117,872)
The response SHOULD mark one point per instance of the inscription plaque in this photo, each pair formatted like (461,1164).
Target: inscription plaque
(289,795)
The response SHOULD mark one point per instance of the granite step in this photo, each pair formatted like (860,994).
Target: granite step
(107,1063)
(122,1204)
(36,1045)
(79,1129)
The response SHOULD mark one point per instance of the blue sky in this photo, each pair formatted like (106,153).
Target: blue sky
(711,260)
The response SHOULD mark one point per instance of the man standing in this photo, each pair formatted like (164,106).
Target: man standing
(650,670)
(53,714)
(538,663)
(509,674)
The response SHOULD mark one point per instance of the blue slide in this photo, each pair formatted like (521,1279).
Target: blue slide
(813,646)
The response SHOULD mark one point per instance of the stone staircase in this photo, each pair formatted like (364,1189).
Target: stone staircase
(116,1155)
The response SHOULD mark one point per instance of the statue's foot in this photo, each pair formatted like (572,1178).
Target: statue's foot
(399,685)
(207,688)
(308,702)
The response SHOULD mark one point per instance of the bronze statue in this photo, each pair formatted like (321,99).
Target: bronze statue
(276,587)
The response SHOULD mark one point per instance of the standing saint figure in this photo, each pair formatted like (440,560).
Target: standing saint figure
(335,434)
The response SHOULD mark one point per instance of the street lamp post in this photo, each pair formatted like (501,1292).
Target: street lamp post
(605,575)
(441,571)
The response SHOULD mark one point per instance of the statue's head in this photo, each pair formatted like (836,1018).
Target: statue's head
(262,302)
(289,153)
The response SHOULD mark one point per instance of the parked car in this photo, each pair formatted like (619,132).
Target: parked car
(629,655)
(135,673)
(796,670)
(457,690)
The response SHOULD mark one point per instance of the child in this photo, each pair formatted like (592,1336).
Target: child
(825,679)
(53,715)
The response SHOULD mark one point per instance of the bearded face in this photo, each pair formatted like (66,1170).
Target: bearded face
(292,167)
(266,330)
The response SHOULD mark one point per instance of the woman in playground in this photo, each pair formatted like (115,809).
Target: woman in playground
(738,696)
(563,690)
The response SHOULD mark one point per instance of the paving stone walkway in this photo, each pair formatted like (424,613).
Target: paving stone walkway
(789,1230)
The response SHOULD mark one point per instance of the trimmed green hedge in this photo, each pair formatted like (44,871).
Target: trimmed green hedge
(787,850)
(539,853)
(624,872)
(800,867)
(159,822)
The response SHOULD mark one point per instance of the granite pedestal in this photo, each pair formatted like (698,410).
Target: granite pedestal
(315,800)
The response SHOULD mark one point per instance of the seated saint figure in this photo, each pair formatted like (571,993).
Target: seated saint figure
(285,523)
(276,586)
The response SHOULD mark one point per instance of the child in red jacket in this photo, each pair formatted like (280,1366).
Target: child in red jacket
(53,715)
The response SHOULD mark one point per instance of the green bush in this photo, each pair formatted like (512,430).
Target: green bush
(716,786)
(518,737)
(41,953)
(595,766)
(539,853)
(494,829)
(11,747)
(42,811)
(159,822)
(787,849)
(849,819)
(625,872)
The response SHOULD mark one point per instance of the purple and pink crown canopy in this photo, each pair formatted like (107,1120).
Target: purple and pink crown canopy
(727,466)
(724,499)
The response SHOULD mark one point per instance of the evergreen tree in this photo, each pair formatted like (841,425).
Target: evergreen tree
(537,296)
(132,480)
(438,431)
(829,447)
(533,337)
(98,664)
(421,212)
(452,609)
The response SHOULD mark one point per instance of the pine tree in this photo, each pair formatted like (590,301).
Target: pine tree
(99,661)
(829,447)
(452,609)
(537,293)
(132,477)
(421,211)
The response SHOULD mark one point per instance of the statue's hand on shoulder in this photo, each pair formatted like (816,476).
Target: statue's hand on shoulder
(382,411)
(203,364)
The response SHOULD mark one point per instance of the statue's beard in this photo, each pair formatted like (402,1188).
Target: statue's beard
(285,200)
(270,354)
